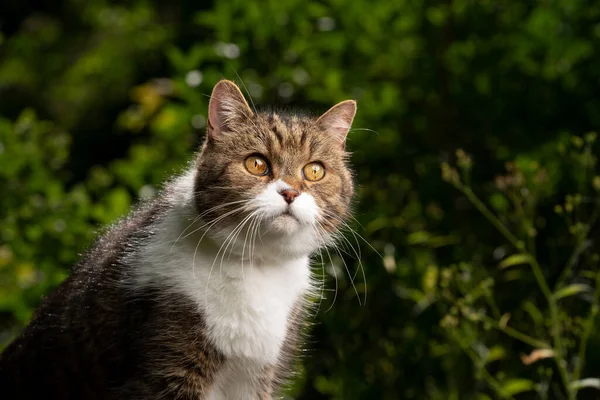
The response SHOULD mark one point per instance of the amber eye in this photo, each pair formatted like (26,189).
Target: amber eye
(257,165)
(314,171)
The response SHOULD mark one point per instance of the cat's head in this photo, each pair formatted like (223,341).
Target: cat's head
(279,178)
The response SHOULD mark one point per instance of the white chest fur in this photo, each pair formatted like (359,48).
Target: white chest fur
(247,314)
(246,305)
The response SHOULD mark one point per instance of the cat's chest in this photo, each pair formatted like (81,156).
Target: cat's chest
(246,308)
(247,314)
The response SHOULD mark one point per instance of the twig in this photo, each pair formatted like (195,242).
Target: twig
(515,334)
(588,326)
(579,248)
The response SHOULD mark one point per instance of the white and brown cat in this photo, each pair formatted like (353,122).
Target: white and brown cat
(200,293)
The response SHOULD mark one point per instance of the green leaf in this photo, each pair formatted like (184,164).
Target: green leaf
(420,237)
(495,353)
(571,290)
(499,202)
(515,259)
(534,312)
(514,386)
(586,383)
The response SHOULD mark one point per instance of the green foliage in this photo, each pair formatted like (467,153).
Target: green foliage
(562,334)
(481,283)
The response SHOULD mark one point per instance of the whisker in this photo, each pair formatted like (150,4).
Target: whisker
(253,239)
(230,239)
(322,294)
(358,254)
(246,89)
(345,224)
(248,232)
(217,256)
(215,221)
(201,215)
(335,247)
(364,129)
(336,280)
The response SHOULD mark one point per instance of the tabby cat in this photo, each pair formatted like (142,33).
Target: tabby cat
(201,292)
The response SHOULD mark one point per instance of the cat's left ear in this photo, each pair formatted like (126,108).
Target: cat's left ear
(338,120)
(226,107)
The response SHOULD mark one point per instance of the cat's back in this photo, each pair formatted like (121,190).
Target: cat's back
(84,336)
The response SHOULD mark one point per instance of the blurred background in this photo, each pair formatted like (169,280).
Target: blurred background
(474,150)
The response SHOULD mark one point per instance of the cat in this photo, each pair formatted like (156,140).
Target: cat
(200,293)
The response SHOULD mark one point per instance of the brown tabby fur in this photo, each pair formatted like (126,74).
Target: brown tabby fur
(93,338)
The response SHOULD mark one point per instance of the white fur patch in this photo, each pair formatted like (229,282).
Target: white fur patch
(246,301)
(271,204)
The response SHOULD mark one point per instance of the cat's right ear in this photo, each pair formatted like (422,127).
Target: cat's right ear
(338,120)
(227,105)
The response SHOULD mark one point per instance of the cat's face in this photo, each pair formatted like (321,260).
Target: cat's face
(276,177)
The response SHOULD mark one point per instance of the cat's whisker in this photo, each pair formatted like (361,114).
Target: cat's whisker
(204,213)
(352,232)
(346,226)
(186,228)
(246,89)
(253,239)
(252,229)
(228,241)
(337,249)
(336,279)
(356,252)
(215,221)
(237,234)
(364,129)
(229,188)
(215,259)
(322,294)
(248,232)
(361,266)
(345,241)
(196,220)
(244,250)
(234,239)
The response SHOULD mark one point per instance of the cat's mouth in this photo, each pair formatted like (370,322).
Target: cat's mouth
(286,223)
(288,214)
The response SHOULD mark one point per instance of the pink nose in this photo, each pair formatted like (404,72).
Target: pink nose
(289,195)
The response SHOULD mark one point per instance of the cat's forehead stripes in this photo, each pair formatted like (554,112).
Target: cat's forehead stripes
(295,135)
(289,130)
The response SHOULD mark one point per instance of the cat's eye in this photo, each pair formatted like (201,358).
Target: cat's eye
(314,171)
(257,165)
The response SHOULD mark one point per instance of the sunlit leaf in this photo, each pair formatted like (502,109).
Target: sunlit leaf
(571,290)
(515,386)
(515,259)
(586,383)
(495,353)
(534,312)
(420,237)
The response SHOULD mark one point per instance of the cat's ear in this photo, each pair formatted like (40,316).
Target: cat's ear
(227,104)
(338,120)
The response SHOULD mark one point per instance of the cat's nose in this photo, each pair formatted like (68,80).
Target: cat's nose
(289,195)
